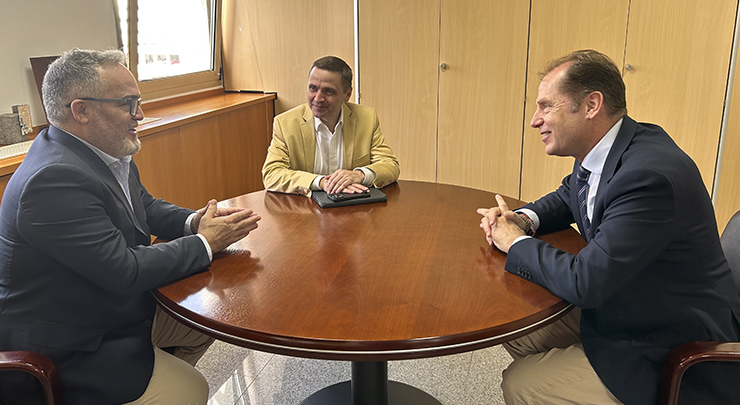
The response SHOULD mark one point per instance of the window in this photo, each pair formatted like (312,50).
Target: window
(171,44)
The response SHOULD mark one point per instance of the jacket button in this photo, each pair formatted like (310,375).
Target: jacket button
(148,322)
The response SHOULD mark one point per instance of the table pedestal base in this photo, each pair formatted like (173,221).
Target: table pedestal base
(370,386)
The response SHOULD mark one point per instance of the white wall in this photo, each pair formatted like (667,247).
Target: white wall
(30,28)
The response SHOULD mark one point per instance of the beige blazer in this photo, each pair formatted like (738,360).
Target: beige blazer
(289,164)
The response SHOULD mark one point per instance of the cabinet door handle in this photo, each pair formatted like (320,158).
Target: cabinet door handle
(629,66)
(443,66)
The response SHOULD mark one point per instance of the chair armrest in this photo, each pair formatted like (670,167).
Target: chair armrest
(686,355)
(40,366)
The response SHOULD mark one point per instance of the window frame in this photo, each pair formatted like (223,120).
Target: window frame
(175,85)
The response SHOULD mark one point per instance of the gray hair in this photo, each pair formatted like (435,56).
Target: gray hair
(73,75)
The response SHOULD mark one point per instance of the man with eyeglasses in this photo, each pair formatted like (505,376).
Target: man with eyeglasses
(76,260)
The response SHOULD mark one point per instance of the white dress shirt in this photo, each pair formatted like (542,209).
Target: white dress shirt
(594,162)
(329,155)
(120,170)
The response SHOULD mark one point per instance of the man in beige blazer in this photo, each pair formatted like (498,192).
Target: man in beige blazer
(329,143)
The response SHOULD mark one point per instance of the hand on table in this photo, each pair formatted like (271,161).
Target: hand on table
(223,226)
(501,225)
(343,181)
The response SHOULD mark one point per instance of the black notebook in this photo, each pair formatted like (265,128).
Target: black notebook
(324,201)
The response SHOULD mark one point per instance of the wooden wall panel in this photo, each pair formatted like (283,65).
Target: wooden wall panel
(581,24)
(680,55)
(399,65)
(727,200)
(161,167)
(245,136)
(201,153)
(270,45)
(484,46)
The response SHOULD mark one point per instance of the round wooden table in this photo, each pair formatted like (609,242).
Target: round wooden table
(409,278)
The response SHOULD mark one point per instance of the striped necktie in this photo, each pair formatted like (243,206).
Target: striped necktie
(582,186)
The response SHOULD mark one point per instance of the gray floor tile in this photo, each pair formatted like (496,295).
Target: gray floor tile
(240,376)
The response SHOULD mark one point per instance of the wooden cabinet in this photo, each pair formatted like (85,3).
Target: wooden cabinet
(398,75)
(217,154)
(483,45)
(449,93)
(678,77)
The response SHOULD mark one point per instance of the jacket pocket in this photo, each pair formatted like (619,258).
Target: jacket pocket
(58,336)
(688,330)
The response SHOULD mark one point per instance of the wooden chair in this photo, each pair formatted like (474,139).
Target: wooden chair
(691,353)
(40,367)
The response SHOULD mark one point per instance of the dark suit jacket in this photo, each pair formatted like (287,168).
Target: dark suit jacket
(76,269)
(653,275)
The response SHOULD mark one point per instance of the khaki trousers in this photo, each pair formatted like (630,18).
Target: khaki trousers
(175,379)
(550,367)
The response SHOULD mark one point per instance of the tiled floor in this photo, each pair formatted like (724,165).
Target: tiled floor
(239,376)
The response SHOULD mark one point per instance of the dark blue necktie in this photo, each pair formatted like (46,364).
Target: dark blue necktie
(582,186)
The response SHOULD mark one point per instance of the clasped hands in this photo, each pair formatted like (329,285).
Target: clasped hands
(501,225)
(343,181)
(223,226)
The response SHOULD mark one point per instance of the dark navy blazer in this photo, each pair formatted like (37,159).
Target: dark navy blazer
(652,276)
(76,269)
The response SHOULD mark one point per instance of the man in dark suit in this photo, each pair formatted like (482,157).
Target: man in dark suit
(76,262)
(652,275)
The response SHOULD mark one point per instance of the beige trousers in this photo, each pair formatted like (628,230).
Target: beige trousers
(175,379)
(550,367)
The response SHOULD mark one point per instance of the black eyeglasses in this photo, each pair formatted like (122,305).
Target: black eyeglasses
(133,103)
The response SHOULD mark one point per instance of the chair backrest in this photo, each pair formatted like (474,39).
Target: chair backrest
(731,246)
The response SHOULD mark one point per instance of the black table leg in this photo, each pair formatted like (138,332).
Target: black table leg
(370,386)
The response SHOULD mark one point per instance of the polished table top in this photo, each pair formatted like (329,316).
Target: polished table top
(409,278)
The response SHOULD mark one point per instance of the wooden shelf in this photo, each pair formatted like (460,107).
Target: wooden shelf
(182,113)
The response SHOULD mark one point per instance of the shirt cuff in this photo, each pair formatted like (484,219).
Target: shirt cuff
(188,231)
(208,247)
(370,176)
(189,224)
(520,239)
(315,183)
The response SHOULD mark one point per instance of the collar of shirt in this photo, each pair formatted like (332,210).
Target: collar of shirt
(594,162)
(110,161)
(107,159)
(329,154)
(317,123)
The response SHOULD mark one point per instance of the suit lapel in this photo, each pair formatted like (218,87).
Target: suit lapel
(134,184)
(97,167)
(348,136)
(613,159)
(308,134)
